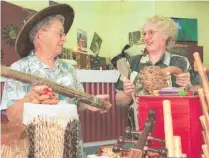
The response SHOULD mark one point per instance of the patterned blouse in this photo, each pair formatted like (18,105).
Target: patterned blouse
(168,59)
(62,73)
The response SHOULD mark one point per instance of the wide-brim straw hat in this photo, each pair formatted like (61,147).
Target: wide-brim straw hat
(23,44)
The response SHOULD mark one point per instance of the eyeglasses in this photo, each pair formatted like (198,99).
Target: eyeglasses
(150,33)
(59,32)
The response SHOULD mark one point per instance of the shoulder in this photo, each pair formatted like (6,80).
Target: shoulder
(20,65)
(180,61)
(135,58)
(66,66)
(178,58)
(136,62)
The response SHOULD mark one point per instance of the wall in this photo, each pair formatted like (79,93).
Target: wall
(198,10)
(113,20)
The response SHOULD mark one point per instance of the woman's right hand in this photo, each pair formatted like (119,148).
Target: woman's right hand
(129,87)
(41,94)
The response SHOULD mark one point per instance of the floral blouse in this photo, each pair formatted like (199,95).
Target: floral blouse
(62,73)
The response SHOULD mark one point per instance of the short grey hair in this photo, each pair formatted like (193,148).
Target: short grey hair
(45,22)
(167,26)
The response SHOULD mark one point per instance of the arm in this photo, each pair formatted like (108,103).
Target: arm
(82,106)
(123,99)
(12,99)
(187,76)
(36,95)
(124,94)
(15,111)
(125,89)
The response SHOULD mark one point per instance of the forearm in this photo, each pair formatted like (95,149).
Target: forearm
(15,111)
(122,99)
(81,107)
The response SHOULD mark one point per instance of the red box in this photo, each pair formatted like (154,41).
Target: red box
(185,115)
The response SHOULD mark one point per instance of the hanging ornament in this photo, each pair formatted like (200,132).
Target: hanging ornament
(10,33)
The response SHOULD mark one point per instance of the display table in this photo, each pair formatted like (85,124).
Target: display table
(186,124)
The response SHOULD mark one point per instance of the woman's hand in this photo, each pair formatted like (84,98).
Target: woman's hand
(183,79)
(103,98)
(129,87)
(41,94)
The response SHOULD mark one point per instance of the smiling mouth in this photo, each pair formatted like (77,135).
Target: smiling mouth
(149,43)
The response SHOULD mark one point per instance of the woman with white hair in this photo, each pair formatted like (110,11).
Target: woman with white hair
(159,34)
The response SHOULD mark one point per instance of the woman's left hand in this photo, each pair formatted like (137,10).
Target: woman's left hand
(102,98)
(183,79)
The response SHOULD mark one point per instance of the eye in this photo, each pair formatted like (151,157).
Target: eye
(151,32)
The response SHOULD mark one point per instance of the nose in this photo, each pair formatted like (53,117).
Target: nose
(146,35)
(63,39)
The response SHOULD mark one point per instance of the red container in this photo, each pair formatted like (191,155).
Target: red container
(185,115)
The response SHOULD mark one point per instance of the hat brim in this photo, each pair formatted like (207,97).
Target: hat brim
(23,45)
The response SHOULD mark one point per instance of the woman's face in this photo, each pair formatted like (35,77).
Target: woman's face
(54,37)
(154,39)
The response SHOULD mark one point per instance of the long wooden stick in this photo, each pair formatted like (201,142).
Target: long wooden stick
(205,128)
(205,150)
(204,106)
(177,146)
(202,75)
(168,128)
(66,91)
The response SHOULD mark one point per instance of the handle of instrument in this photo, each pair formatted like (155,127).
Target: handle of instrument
(135,111)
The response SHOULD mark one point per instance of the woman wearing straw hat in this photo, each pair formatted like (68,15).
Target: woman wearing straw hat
(39,43)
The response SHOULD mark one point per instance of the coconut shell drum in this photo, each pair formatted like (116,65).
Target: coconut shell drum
(14,141)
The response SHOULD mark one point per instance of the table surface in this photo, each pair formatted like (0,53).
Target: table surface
(155,97)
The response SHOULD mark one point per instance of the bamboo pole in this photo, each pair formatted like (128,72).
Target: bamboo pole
(205,129)
(177,146)
(58,88)
(205,150)
(202,74)
(203,101)
(168,127)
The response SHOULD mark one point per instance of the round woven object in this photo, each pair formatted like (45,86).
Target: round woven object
(14,141)
(152,78)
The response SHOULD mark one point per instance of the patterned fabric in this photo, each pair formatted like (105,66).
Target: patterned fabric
(62,73)
(140,61)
